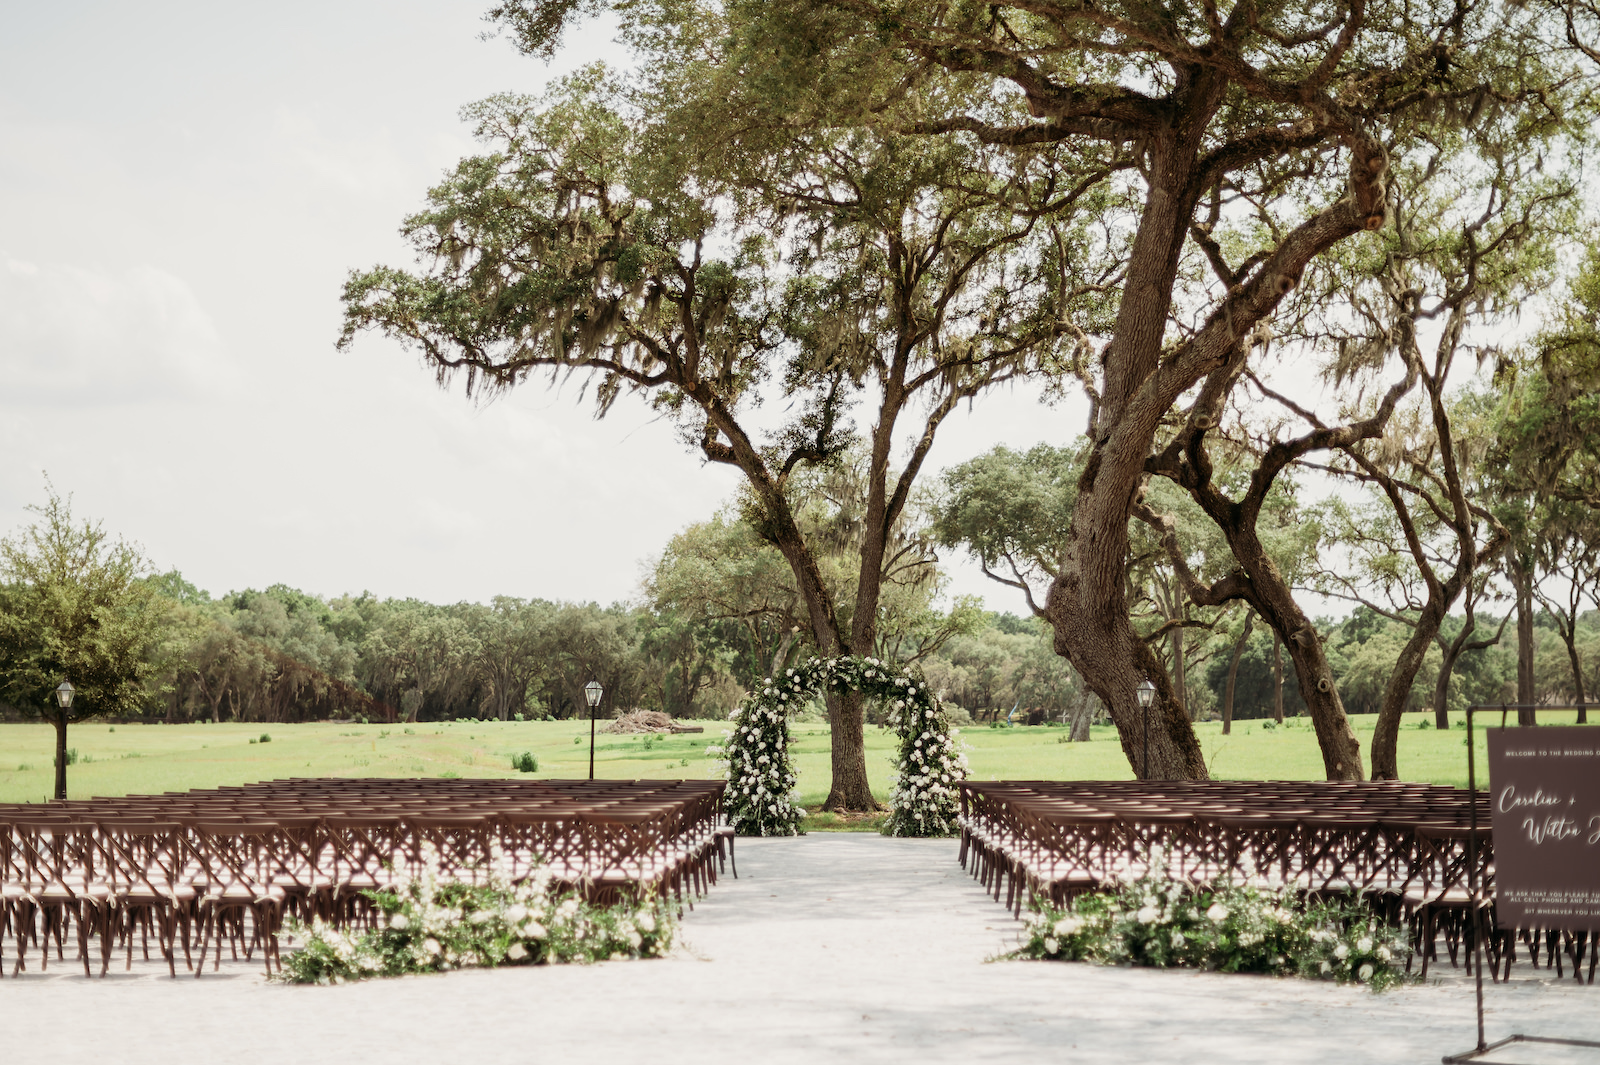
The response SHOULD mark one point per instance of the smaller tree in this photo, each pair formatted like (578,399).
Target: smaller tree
(74,606)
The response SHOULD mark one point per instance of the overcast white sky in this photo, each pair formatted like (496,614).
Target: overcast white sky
(183,187)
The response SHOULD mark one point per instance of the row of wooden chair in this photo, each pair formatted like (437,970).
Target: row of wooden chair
(232,864)
(1403,847)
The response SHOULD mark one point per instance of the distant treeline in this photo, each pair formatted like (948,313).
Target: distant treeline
(282,655)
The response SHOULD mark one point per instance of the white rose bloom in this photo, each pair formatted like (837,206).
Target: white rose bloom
(517,952)
(516,913)
(1364,944)
(1325,967)
(432,946)
(1342,951)
(399,921)
(1051,945)
(535,930)
(1385,954)
(646,921)
(1364,973)
(1147,915)
(1068,926)
(1218,912)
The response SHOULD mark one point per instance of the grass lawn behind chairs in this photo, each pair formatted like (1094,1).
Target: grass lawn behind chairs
(144,758)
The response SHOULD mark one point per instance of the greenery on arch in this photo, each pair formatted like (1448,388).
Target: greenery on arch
(925,797)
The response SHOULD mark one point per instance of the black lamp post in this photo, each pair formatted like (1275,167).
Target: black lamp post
(592,692)
(64,693)
(1147,699)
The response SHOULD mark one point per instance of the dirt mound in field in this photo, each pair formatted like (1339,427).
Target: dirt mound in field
(635,721)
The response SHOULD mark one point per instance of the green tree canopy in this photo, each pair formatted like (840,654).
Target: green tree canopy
(75,606)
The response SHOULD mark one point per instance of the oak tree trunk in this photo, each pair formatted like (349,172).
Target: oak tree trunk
(1570,637)
(1277,678)
(850,791)
(1180,675)
(1273,601)
(1386,734)
(1522,582)
(1449,652)
(1233,672)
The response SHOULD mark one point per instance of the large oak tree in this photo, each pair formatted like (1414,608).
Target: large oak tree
(831,269)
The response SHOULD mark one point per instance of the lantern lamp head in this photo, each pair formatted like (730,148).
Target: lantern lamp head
(1147,693)
(592,692)
(64,694)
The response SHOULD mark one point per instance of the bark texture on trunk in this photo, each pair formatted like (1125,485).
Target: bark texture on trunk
(1522,584)
(1277,678)
(1577,680)
(1449,652)
(1233,672)
(1261,584)
(1080,718)
(850,791)
(1386,735)
(1141,383)
(1087,606)
(1566,619)
(1180,674)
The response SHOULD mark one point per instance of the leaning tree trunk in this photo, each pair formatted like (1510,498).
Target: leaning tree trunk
(1159,742)
(1233,672)
(1449,653)
(1386,734)
(1273,600)
(59,719)
(1570,637)
(1087,606)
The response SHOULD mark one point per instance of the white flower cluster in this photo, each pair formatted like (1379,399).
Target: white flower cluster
(1228,925)
(926,797)
(431,925)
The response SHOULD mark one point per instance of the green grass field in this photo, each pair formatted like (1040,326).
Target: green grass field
(130,759)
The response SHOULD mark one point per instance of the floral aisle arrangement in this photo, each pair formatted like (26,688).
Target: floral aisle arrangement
(760,800)
(429,925)
(1223,926)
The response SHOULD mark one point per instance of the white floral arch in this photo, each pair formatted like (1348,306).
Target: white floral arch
(760,801)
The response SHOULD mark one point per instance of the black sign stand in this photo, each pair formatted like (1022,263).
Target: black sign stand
(1475,891)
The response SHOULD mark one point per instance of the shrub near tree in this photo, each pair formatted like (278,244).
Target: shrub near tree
(74,606)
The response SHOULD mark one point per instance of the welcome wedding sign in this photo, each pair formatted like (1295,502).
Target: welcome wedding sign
(1545,792)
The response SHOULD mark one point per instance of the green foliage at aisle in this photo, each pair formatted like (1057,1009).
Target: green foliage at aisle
(1224,926)
(431,925)
(760,801)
